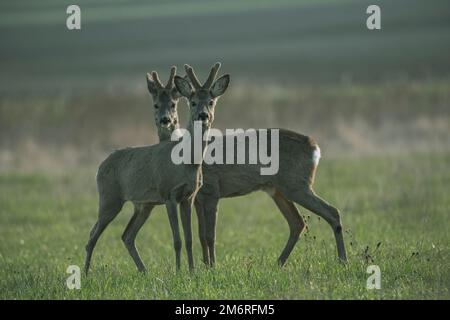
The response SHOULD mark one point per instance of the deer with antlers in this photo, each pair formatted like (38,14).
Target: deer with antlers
(146,175)
(299,156)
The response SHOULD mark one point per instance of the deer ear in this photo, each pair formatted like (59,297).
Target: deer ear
(151,84)
(175,93)
(183,86)
(220,86)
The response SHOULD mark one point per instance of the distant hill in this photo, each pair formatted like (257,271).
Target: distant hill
(282,41)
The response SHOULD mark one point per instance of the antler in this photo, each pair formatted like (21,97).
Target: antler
(190,73)
(212,76)
(170,83)
(156,80)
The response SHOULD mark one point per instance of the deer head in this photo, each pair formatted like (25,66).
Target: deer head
(202,98)
(165,100)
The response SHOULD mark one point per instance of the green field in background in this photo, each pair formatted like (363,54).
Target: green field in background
(284,41)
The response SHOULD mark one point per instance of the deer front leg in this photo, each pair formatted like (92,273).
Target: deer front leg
(185,209)
(210,220)
(171,207)
(202,231)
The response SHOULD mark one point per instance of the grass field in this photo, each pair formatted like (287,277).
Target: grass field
(395,214)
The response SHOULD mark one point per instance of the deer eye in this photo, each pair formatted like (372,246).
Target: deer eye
(211,103)
(172,106)
(156,106)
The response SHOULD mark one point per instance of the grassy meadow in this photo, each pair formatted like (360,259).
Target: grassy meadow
(395,212)
(377,103)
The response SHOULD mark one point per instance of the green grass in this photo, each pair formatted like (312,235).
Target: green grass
(400,203)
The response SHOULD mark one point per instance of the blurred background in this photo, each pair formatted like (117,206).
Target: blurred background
(67,98)
(377,102)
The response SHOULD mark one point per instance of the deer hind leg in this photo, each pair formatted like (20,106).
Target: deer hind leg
(172,212)
(185,208)
(107,213)
(202,231)
(309,200)
(294,220)
(141,214)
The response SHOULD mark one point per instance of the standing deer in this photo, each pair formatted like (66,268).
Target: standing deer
(299,156)
(147,176)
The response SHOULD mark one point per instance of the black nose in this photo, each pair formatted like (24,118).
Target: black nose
(164,120)
(203,116)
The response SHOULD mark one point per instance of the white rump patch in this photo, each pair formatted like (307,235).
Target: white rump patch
(316,155)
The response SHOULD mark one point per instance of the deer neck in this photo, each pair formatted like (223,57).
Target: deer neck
(198,144)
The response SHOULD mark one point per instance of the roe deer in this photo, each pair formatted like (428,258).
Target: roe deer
(147,176)
(299,157)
